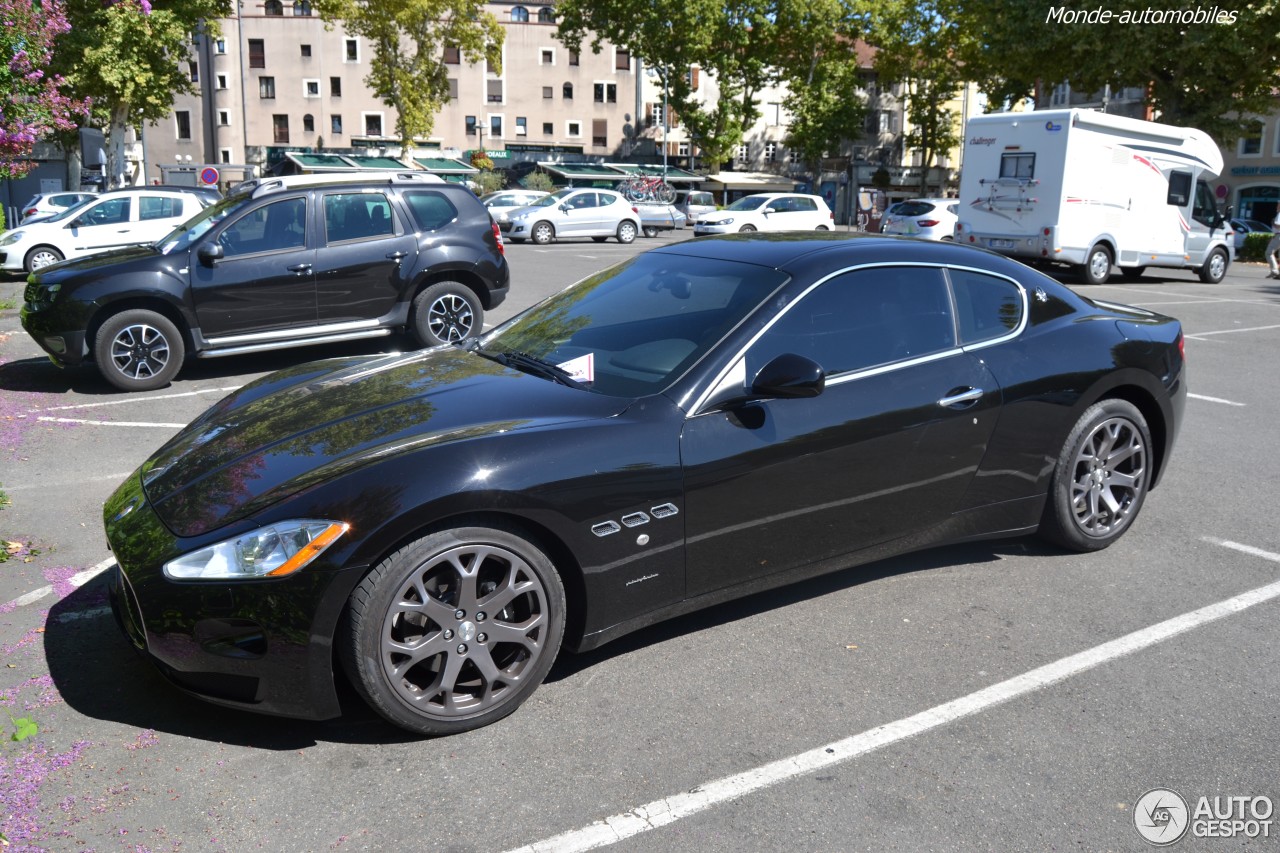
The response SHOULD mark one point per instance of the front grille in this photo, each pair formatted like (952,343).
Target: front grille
(505,226)
(32,289)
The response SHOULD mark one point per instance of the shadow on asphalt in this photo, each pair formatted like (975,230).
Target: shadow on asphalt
(99,675)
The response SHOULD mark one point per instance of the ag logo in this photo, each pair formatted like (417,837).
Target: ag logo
(1161,816)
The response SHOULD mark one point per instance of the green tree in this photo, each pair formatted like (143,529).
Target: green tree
(1202,73)
(130,58)
(407,70)
(825,109)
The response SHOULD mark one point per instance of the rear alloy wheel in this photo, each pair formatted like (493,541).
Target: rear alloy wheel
(445,313)
(455,630)
(650,231)
(543,233)
(1101,478)
(1097,266)
(138,350)
(626,232)
(42,256)
(1215,267)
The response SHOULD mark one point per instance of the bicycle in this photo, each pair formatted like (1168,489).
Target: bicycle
(641,189)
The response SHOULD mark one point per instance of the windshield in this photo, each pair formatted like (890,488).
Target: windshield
(181,238)
(635,328)
(549,200)
(750,202)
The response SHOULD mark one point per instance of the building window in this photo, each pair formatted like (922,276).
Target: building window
(522,126)
(224,118)
(1251,141)
(599,132)
(471,125)
(352,50)
(308,123)
(548,92)
(548,129)
(372,124)
(495,127)
(280,128)
(490,67)
(266,87)
(546,16)
(194,68)
(606,93)
(222,81)
(220,46)
(183,119)
(306,51)
(568,91)
(547,56)
(622,60)
(682,149)
(520,14)
(453,88)
(335,125)
(493,88)
(257,53)
(655,115)
(771,152)
(452,56)
(273,8)
(302,9)
(573,57)
(573,128)
(311,88)
(224,155)
(335,87)
(742,153)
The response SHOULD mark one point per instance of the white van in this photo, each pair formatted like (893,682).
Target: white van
(1090,190)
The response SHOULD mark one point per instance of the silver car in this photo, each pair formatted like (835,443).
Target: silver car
(598,214)
(926,218)
(501,203)
(695,204)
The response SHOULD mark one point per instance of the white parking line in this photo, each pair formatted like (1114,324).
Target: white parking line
(1200,335)
(139,399)
(1214,400)
(65,483)
(77,580)
(670,809)
(108,423)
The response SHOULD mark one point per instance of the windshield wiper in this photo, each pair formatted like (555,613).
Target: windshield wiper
(526,363)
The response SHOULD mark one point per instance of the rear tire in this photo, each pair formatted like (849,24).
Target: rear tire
(138,350)
(626,231)
(1097,265)
(446,313)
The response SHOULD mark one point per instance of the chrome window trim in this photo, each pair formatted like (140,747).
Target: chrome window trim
(735,370)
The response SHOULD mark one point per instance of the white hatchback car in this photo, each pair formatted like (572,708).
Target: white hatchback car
(768,212)
(594,213)
(501,203)
(118,218)
(927,218)
(46,205)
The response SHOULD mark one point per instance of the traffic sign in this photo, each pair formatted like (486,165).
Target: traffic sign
(208,176)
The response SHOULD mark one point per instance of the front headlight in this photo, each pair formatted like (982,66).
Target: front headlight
(275,551)
(11,238)
(728,221)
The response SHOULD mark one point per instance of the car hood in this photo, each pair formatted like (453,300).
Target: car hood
(92,264)
(314,422)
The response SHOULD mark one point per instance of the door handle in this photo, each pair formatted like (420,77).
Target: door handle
(397,256)
(300,268)
(961,398)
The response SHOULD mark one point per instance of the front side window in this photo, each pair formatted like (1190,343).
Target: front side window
(111,212)
(863,319)
(275,227)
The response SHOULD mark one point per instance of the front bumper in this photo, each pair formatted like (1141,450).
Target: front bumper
(263,646)
(66,348)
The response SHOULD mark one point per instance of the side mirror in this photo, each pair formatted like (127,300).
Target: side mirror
(208,253)
(789,376)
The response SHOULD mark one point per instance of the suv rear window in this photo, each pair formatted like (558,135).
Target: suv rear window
(431,210)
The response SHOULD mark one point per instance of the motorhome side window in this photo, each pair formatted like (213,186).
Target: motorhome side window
(1020,166)
(1179,188)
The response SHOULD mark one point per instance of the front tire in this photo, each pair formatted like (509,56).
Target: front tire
(1215,267)
(1097,266)
(139,350)
(746,229)
(454,631)
(1101,478)
(446,313)
(626,232)
(543,233)
(40,257)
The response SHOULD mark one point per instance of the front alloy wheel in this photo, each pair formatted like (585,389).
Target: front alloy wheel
(1215,267)
(456,630)
(543,233)
(138,350)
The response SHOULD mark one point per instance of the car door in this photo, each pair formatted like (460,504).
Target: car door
(579,215)
(367,253)
(887,450)
(105,225)
(265,279)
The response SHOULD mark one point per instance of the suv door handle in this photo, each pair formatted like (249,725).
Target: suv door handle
(300,268)
(397,256)
(962,400)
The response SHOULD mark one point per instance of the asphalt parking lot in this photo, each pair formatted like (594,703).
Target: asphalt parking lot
(996,696)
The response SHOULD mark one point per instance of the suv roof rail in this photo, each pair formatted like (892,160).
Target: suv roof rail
(263,186)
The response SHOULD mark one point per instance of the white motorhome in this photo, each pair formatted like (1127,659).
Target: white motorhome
(1090,190)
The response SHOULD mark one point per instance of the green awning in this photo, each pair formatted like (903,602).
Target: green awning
(322,162)
(367,162)
(445,166)
(584,171)
(655,170)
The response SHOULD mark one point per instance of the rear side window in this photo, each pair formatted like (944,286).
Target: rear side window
(357,216)
(987,307)
(159,207)
(431,210)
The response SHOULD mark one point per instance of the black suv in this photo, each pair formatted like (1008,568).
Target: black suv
(280,262)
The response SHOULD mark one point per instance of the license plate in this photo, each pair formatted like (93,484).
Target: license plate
(1000,244)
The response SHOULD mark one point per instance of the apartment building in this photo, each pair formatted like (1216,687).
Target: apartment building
(276,80)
